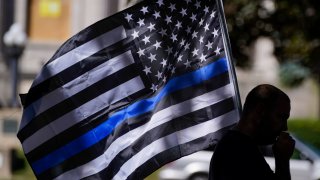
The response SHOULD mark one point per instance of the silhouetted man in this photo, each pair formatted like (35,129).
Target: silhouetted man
(263,122)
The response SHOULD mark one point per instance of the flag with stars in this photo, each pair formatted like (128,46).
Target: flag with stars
(131,93)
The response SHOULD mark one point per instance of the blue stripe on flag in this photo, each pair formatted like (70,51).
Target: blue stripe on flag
(136,109)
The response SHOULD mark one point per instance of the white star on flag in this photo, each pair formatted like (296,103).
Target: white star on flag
(179,25)
(163,63)
(141,22)
(163,32)
(206,10)
(201,39)
(217,51)
(160,3)
(188,1)
(188,30)
(156,15)
(193,17)
(180,58)
(147,70)
(203,58)
(182,42)
(144,10)
(159,75)
(215,32)
(206,27)
(173,70)
(168,19)
(173,37)
(197,5)
(141,52)
(209,45)
(194,34)
(169,50)
(152,57)
(187,64)
(201,22)
(157,45)
(154,87)
(187,46)
(135,34)
(151,27)
(146,39)
(195,52)
(172,7)
(129,17)
(213,14)
(183,12)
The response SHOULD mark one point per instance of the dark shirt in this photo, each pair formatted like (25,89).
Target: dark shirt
(238,157)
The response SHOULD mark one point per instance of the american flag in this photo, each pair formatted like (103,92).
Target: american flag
(131,93)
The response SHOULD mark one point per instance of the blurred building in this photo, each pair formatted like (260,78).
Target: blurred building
(48,24)
(8,139)
(265,69)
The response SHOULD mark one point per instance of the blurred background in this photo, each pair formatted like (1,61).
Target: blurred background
(275,42)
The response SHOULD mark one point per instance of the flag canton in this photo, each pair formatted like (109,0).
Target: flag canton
(174,37)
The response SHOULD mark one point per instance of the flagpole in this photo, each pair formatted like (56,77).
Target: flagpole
(224,31)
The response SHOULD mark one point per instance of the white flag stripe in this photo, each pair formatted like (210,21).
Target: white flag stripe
(77,85)
(80,53)
(73,117)
(174,139)
(157,119)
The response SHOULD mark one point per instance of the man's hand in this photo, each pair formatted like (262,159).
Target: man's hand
(283,147)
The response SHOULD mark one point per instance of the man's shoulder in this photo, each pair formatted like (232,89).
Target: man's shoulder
(236,156)
(235,137)
(235,145)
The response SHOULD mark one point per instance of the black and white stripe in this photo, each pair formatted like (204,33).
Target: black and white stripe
(183,110)
(82,60)
(63,117)
(82,52)
(133,123)
(89,77)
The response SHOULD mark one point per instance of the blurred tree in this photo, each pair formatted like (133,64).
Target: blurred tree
(294,27)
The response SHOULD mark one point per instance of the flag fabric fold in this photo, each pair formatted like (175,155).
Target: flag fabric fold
(131,93)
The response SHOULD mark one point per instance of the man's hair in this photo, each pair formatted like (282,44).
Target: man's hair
(265,95)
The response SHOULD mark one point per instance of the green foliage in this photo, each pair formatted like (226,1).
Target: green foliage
(153,176)
(292,24)
(17,160)
(292,74)
(23,174)
(307,130)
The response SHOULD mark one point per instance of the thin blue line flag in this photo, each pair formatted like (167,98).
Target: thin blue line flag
(131,93)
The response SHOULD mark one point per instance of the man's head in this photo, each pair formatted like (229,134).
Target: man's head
(265,112)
